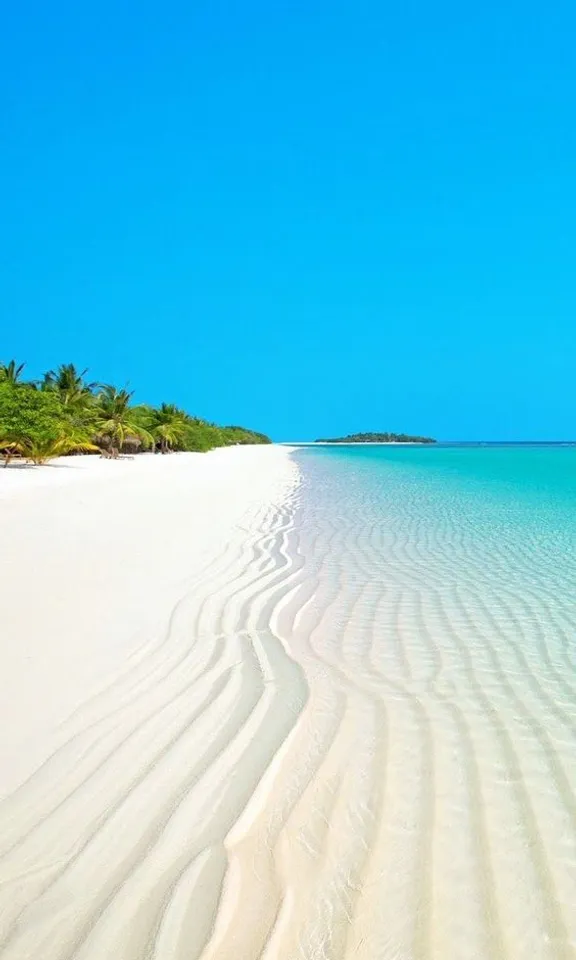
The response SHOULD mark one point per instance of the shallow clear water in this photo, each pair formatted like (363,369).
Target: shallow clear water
(441,608)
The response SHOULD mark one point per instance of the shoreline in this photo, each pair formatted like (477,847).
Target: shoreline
(255,694)
(357,443)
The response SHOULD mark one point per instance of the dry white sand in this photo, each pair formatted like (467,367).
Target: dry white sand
(144,694)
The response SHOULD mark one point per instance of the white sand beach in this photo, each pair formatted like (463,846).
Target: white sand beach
(140,702)
(249,715)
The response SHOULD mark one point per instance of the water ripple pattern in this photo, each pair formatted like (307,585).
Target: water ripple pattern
(354,741)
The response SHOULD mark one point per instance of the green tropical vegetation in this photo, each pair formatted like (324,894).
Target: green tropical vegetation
(378,438)
(64,413)
(11,372)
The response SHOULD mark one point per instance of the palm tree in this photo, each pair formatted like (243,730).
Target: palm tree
(70,386)
(168,426)
(11,372)
(116,421)
(34,425)
(39,450)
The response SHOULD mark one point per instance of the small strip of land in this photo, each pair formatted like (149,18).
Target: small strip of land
(378,438)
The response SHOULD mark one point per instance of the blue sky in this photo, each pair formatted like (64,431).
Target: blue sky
(311,218)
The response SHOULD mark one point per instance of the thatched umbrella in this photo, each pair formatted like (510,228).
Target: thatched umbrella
(104,443)
(131,445)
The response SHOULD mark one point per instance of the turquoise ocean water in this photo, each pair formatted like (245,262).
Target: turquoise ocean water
(441,607)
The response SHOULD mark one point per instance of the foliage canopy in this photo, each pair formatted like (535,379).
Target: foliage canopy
(378,438)
(64,413)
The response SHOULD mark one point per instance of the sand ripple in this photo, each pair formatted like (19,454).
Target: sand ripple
(354,741)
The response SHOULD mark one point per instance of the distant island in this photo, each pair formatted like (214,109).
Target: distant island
(378,438)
